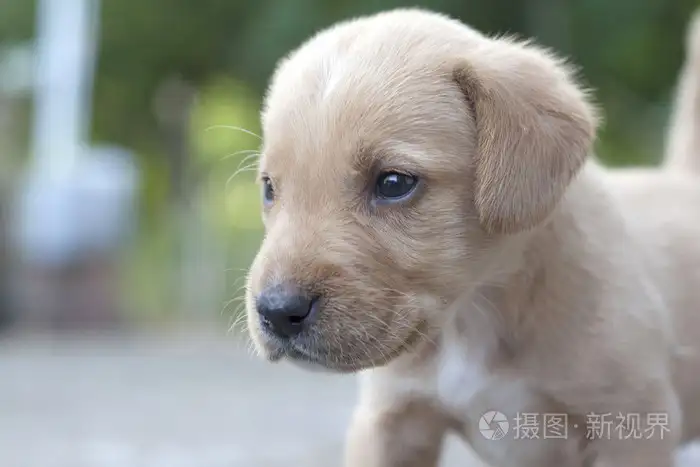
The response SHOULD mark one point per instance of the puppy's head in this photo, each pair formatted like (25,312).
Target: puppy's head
(402,152)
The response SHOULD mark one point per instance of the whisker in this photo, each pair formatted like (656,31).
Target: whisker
(248,168)
(239,321)
(245,270)
(249,152)
(237,128)
(249,157)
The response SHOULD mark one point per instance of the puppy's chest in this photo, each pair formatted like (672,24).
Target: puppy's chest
(461,376)
(466,384)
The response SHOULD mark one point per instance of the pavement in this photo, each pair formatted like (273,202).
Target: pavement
(178,400)
(183,400)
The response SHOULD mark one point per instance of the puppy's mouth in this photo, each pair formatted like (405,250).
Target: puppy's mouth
(301,354)
(305,360)
(289,350)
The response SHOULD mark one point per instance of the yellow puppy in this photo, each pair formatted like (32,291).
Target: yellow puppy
(435,221)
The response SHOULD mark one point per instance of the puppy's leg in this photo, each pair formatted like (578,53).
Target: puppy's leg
(405,434)
(648,436)
(637,453)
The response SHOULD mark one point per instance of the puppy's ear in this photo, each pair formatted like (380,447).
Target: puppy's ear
(534,131)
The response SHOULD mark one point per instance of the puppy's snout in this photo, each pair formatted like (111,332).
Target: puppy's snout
(285,311)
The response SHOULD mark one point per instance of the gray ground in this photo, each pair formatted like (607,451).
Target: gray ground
(167,402)
(172,402)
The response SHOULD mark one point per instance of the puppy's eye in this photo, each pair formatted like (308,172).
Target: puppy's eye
(394,186)
(268,191)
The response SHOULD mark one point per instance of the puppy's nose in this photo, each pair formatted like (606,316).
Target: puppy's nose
(284,310)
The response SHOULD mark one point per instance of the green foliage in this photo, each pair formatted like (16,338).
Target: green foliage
(16,20)
(228,153)
(629,52)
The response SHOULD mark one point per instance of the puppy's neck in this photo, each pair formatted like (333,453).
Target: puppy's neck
(496,318)
(503,313)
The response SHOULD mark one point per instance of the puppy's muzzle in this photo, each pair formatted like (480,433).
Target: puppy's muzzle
(285,311)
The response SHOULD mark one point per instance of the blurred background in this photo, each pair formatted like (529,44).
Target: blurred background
(129,213)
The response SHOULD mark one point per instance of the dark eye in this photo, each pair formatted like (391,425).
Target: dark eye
(395,185)
(268,191)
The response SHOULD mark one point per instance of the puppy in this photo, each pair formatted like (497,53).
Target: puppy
(436,222)
(683,144)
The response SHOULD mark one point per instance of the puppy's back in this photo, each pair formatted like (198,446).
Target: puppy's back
(683,145)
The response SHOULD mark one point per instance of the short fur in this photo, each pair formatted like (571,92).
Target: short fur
(521,276)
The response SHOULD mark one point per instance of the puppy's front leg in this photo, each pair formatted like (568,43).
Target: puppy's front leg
(408,433)
(637,453)
(647,434)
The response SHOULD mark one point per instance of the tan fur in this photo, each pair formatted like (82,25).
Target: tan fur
(683,145)
(521,276)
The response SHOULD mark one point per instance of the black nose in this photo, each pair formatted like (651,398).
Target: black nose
(284,310)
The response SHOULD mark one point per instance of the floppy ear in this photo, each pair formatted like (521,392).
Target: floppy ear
(534,127)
